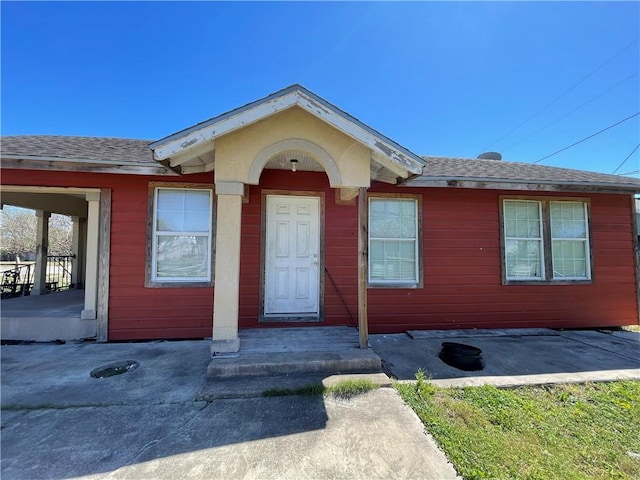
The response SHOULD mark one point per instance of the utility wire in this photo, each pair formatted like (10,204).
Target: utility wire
(630,173)
(628,157)
(569,113)
(561,95)
(587,138)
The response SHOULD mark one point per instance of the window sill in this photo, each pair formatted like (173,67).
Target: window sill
(155,284)
(411,285)
(548,282)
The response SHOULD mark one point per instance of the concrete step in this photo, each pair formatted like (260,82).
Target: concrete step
(352,360)
(248,387)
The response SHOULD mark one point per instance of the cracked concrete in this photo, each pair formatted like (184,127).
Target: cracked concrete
(148,425)
(58,422)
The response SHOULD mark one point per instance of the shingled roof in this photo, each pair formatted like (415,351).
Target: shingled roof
(134,156)
(456,171)
(97,154)
(78,148)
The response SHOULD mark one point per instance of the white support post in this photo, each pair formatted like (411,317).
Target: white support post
(91,277)
(78,248)
(42,248)
(224,338)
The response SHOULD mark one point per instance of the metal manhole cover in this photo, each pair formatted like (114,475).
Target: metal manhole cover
(116,368)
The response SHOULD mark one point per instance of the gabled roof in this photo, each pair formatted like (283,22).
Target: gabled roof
(476,173)
(192,138)
(117,155)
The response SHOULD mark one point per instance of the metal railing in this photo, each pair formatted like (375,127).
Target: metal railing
(59,272)
(19,280)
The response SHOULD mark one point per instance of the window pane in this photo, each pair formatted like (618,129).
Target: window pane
(377,227)
(197,200)
(392,239)
(522,219)
(569,259)
(169,221)
(170,199)
(196,221)
(568,220)
(523,259)
(183,210)
(181,256)
(393,219)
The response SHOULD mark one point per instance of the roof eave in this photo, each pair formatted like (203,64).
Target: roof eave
(518,184)
(32,162)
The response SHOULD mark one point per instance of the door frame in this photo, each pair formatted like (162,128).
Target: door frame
(263,246)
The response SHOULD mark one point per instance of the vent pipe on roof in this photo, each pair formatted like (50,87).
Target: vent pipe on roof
(490,156)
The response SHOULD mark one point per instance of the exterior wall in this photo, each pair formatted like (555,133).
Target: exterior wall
(461,253)
(236,152)
(462,272)
(135,312)
(462,266)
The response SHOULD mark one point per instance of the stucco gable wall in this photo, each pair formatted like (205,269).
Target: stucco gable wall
(236,151)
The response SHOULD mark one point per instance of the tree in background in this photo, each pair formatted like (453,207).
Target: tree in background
(18,229)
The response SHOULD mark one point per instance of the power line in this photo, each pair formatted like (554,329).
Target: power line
(587,138)
(561,95)
(628,157)
(569,113)
(630,173)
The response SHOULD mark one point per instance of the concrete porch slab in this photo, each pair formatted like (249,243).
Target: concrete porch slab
(45,318)
(297,362)
(569,356)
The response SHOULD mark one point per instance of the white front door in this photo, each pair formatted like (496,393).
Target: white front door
(292,256)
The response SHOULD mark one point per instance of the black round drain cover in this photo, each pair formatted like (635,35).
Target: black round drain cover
(461,356)
(116,368)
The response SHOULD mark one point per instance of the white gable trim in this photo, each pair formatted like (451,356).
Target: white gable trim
(181,143)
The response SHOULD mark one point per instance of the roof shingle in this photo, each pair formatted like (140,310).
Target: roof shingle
(78,148)
(445,168)
(118,150)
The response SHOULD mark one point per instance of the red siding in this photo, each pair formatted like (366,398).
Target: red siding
(461,256)
(462,272)
(135,312)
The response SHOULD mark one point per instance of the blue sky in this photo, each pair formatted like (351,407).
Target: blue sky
(439,78)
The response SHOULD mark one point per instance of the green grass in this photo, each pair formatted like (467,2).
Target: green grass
(344,389)
(550,432)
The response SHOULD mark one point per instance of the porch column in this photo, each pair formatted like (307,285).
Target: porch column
(91,266)
(224,338)
(78,244)
(42,248)
(363,264)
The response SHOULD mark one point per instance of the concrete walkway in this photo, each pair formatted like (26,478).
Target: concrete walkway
(514,357)
(58,422)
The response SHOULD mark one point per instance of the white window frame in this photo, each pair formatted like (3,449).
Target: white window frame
(402,283)
(585,241)
(539,239)
(152,279)
(546,251)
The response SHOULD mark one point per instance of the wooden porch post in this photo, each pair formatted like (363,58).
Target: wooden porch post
(363,261)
